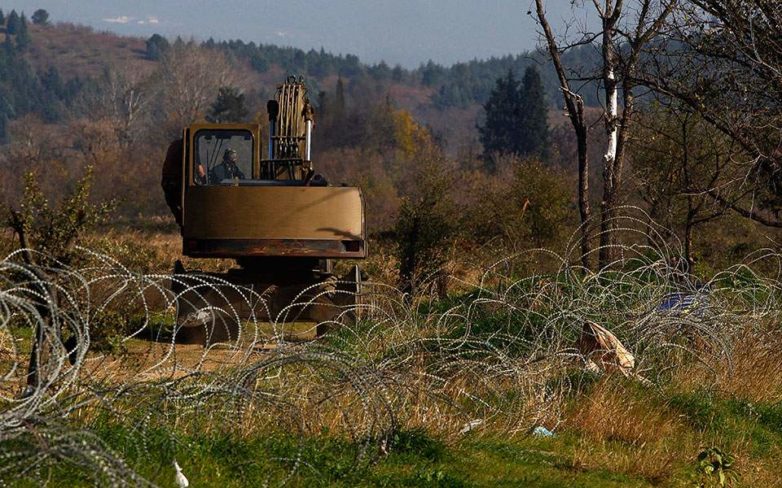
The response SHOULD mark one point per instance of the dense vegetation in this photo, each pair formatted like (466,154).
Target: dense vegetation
(459,85)
(503,234)
(116,108)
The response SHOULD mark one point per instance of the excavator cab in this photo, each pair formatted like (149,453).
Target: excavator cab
(221,155)
(261,203)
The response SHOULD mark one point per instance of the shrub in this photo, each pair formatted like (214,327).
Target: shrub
(52,231)
(529,205)
(427,225)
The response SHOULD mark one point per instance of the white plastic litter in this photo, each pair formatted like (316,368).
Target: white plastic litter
(471,425)
(541,431)
(179,478)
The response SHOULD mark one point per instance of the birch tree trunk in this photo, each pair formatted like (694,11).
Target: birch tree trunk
(609,13)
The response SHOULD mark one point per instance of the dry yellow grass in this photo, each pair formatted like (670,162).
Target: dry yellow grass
(628,433)
(755,373)
(611,412)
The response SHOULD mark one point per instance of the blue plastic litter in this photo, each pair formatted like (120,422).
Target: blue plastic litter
(684,303)
(677,301)
(541,431)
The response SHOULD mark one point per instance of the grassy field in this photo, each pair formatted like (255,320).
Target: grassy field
(615,434)
(424,391)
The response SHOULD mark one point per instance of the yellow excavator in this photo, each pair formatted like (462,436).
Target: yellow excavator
(281,221)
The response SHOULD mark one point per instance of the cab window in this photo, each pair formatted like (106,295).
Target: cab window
(222,156)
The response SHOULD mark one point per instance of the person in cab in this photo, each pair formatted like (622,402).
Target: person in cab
(227,169)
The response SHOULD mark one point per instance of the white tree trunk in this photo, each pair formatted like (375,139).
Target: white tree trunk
(612,109)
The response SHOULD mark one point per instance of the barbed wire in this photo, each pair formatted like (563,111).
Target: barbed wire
(104,343)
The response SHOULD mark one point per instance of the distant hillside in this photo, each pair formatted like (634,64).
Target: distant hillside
(64,58)
(80,51)
(460,85)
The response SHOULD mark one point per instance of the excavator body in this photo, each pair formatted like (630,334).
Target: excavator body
(280,221)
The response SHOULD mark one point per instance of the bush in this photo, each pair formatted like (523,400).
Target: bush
(427,225)
(52,231)
(526,205)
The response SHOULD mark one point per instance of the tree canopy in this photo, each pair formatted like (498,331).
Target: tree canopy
(516,118)
(40,17)
(12,24)
(156,46)
(534,115)
(22,35)
(229,106)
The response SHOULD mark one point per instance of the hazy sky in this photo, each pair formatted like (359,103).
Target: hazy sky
(407,32)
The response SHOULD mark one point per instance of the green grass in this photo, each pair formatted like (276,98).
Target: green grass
(415,460)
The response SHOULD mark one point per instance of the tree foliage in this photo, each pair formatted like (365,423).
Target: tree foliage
(527,205)
(40,17)
(516,118)
(23,91)
(458,85)
(22,35)
(535,133)
(229,106)
(427,223)
(499,133)
(156,46)
(12,23)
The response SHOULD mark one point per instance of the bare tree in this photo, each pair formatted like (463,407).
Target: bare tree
(128,95)
(627,28)
(191,77)
(723,59)
(676,154)
(575,111)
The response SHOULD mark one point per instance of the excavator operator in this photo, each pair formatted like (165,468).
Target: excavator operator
(228,169)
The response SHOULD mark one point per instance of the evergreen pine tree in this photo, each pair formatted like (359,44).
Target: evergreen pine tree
(534,111)
(431,73)
(2,17)
(156,46)
(397,73)
(22,35)
(501,130)
(12,25)
(229,106)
